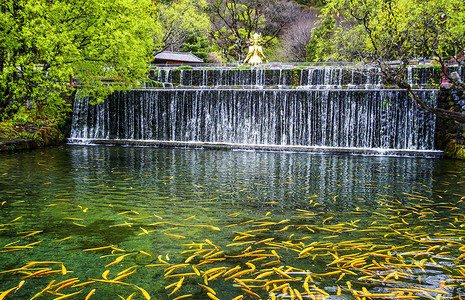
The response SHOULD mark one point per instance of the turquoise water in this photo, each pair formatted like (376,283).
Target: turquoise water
(380,227)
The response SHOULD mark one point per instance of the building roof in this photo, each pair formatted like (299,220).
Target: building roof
(178,56)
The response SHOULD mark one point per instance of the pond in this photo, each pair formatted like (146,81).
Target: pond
(100,222)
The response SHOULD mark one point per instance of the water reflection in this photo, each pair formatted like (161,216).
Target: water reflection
(287,178)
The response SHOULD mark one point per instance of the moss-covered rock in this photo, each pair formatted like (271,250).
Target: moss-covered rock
(450,135)
(50,135)
(34,137)
(453,149)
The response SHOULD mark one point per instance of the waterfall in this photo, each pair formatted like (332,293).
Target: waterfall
(302,108)
(334,118)
(305,77)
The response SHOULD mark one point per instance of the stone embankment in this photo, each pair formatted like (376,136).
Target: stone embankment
(450,135)
(49,135)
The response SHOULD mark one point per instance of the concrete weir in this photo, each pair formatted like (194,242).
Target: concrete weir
(313,109)
(223,146)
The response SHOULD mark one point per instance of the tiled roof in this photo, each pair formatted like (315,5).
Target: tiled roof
(178,56)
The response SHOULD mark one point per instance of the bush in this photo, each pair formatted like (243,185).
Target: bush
(184,67)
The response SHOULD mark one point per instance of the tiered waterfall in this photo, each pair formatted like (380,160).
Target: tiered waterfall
(337,109)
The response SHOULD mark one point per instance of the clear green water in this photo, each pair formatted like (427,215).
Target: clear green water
(366,217)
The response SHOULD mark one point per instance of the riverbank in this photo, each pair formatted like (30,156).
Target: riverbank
(31,136)
(450,135)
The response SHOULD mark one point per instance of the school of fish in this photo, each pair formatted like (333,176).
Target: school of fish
(312,254)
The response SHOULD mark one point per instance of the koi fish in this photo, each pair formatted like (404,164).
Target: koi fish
(238,274)
(213,277)
(209,256)
(63,286)
(249,292)
(195,270)
(264,274)
(279,272)
(177,286)
(208,226)
(5,293)
(128,212)
(144,292)
(180,275)
(211,296)
(69,295)
(122,276)
(229,272)
(83,284)
(162,261)
(38,273)
(118,259)
(90,294)
(190,258)
(209,289)
(100,248)
(182,297)
(175,235)
(214,270)
(91,280)
(211,244)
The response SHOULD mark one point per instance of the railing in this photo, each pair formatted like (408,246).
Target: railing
(263,65)
(418,61)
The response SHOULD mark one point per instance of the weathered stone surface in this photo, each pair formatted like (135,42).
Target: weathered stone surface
(450,135)
(49,135)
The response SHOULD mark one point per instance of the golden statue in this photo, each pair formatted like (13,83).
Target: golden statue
(255,55)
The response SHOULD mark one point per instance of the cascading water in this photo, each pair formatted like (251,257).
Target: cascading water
(307,118)
(306,76)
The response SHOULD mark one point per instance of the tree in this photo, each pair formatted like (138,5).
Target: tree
(178,20)
(384,30)
(46,46)
(311,3)
(196,44)
(234,22)
(296,36)
(317,48)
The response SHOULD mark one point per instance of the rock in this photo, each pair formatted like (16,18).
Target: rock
(46,136)
(456,77)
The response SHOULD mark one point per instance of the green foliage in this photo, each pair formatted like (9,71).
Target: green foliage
(9,130)
(178,20)
(386,104)
(28,136)
(399,29)
(6,130)
(103,46)
(196,44)
(272,48)
(154,84)
(437,69)
(296,75)
(318,47)
(243,67)
(379,31)
(234,25)
(235,45)
(311,3)
(184,67)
